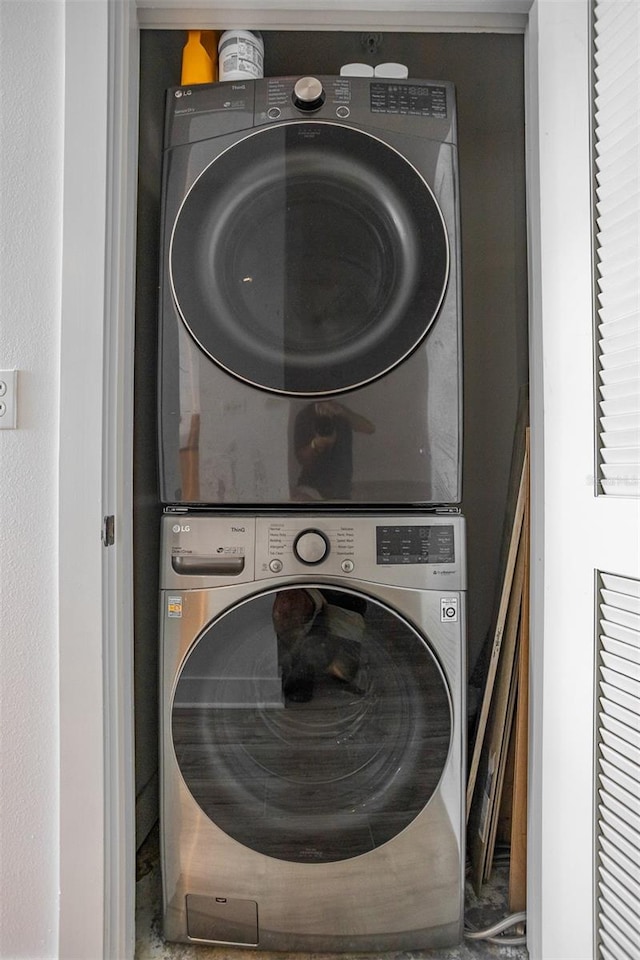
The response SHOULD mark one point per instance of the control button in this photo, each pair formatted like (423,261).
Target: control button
(343,112)
(308,94)
(275,566)
(311,546)
(273,113)
(347,566)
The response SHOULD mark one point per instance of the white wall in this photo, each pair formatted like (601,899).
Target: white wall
(31,157)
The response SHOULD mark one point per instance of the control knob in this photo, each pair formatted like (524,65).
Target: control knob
(308,94)
(311,547)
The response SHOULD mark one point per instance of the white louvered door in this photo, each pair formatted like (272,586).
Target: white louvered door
(616,140)
(617,915)
(588,363)
(616,158)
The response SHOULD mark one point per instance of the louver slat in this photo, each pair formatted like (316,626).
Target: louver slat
(622,868)
(622,344)
(618,703)
(610,898)
(615,950)
(623,161)
(623,796)
(606,954)
(618,328)
(621,601)
(618,682)
(612,812)
(617,921)
(631,771)
(618,776)
(621,746)
(609,13)
(620,405)
(617,842)
(616,201)
(620,358)
(623,374)
(626,947)
(618,633)
(613,906)
(610,391)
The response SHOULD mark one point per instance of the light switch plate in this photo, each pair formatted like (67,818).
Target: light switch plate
(8,399)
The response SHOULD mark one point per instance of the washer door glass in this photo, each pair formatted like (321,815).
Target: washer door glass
(311,724)
(309,258)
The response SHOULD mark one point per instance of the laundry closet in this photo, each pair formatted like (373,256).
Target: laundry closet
(487,71)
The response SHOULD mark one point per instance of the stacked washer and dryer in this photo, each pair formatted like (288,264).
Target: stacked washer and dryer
(313,552)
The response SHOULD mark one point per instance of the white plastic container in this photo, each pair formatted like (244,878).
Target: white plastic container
(356,70)
(395,71)
(240,55)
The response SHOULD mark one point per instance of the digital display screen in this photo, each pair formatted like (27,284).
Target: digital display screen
(415,544)
(410,99)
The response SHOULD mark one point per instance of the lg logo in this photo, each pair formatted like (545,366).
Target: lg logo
(181,528)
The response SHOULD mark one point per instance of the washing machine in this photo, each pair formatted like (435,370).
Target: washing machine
(310,309)
(313,679)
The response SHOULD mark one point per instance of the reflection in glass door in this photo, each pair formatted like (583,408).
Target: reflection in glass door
(309,258)
(311,724)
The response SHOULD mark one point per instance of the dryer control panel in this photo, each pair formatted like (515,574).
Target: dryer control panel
(416,551)
(425,108)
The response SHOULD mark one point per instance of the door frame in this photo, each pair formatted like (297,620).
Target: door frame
(96,721)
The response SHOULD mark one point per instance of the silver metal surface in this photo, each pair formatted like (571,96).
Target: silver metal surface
(307,89)
(227,438)
(406,893)
(310,547)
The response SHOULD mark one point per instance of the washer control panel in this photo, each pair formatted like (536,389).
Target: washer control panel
(409,551)
(412,551)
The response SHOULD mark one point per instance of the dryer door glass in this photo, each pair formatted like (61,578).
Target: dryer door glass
(311,724)
(309,258)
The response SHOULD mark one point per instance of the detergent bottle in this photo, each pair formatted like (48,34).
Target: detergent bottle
(199,58)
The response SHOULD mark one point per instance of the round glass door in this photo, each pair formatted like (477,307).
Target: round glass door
(311,725)
(309,258)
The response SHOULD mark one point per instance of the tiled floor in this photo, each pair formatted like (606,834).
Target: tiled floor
(151,946)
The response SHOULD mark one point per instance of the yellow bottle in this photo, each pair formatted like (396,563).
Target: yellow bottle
(199,60)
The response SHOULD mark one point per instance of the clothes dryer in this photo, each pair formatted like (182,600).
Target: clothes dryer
(313,680)
(310,316)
